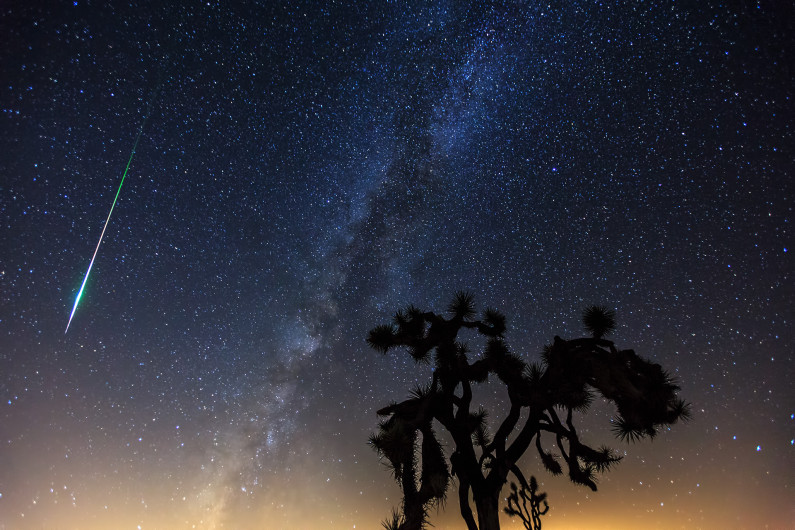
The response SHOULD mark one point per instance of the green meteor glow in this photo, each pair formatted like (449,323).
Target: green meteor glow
(116,198)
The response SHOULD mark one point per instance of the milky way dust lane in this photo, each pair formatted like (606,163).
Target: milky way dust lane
(104,228)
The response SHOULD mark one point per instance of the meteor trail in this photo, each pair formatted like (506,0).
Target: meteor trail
(124,175)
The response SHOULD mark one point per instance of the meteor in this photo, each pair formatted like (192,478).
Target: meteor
(115,199)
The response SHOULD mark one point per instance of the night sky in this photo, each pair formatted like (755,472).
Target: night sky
(306,169)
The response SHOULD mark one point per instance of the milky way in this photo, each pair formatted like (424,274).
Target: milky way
(309,169)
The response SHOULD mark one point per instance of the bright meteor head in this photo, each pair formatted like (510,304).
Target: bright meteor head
(80,292)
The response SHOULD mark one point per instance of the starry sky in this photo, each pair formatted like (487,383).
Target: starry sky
(307,168)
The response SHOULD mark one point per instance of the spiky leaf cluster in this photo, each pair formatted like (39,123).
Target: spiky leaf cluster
(381,338)
(495,323)
(546,354)
(395,441)
(550,462)
(586,463)
(479,427)
(463,305)
(645,395)
(599,321)
(410,321)
(507,366)
(394,522)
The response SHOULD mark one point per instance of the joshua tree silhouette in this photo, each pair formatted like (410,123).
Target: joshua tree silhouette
(565,381)
(520,497)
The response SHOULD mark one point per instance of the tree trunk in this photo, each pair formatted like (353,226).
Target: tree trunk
(415,517)
(413,508)
(488,511)
(463,502)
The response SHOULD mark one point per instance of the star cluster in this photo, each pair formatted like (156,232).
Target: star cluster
(306,169)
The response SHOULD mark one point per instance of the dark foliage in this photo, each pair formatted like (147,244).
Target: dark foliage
(525,502)
(543,397)
(463,305)
(599,321)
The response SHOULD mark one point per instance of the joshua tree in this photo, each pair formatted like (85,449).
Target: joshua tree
(525,501)
(550,391)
